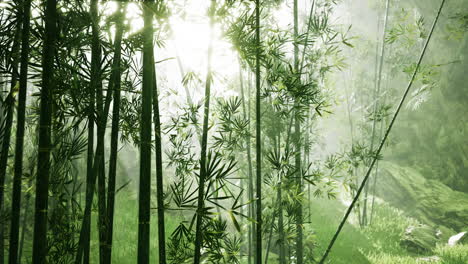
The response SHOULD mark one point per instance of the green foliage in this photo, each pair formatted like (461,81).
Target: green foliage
(444,255)
(387,229)
(457,254)
(390,259)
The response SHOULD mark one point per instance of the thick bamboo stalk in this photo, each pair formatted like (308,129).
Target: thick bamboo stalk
(43,163)
(144,205)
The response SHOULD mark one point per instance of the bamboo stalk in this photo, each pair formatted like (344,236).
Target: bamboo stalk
(144,203)
(8,104)
(114,137)
(18,171)
(387,132)
(258,216)
(204,145)
(159,171)
(376,103)
(44,148)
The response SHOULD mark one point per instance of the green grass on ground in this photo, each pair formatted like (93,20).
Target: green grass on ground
(124,248)
(376,244)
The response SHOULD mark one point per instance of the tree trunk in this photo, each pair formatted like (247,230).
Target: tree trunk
(114,137)
(299,216)
(246,113)
(98,159)
(297,141)
(101,191)
(159,169)
(282,237)
(25,222)
(89,162)
(43,163)
(145,138)
(18,172)
(97,163)
(95,60)
(5,147)
(101,126)
(204,144)
(9,102)
(376,104)
(258,218)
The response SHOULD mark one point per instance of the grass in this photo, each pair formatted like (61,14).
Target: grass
(457,254)
(354,245)
(442,255)
(124,249)
(387,229)
(378,243)
(325,216)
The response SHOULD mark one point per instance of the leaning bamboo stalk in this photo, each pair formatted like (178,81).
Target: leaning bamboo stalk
(384,139)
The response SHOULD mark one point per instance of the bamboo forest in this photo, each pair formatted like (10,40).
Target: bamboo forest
(234,131)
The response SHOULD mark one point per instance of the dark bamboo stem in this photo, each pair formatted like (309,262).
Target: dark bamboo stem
(18,171)
(258,115)
(44,148)
(159,171)
(8,104)
(114,137)
(204,143)
(144,204)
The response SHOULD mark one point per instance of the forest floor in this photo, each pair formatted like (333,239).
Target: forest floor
(378,243)
(125,240)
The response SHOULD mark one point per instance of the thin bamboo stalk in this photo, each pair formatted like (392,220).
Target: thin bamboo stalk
(204,144)
(387,132)
(114,138)
(18,171)
(258,216)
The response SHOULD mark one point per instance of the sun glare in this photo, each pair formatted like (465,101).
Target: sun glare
(187,41)
(185,48)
